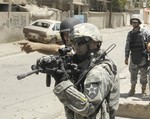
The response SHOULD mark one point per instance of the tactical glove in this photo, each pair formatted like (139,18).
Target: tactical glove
(47,64)
(60,74)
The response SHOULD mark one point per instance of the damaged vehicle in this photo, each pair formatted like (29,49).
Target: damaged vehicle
(43,30)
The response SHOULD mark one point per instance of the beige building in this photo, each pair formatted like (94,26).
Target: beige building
(13,1)
(74,6)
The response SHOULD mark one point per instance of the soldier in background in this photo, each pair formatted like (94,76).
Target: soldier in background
(135,47)
(93,93)
(47,49)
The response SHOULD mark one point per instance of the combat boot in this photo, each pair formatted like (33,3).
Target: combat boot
(132,90)
(144,90)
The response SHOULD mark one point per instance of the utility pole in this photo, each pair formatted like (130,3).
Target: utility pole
(9,13)
(110,15)
(71,8)
(110,11)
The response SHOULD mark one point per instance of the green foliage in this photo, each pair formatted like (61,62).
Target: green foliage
(148,4)
(118,5)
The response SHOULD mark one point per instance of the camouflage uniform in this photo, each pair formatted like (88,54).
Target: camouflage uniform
(142,66)
(99,99)
(97,96)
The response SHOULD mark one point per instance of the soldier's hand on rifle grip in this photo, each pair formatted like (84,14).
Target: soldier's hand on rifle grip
(126,61)
(60,74)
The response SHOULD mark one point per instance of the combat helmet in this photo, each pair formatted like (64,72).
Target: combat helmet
(86,30)
(66,25)
(136,17)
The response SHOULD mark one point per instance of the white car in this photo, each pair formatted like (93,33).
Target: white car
(43,30)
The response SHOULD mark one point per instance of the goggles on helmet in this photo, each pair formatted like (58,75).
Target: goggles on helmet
(134,21)
(80,40)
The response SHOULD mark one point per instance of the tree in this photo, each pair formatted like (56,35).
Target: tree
(59,4)
(148,4)
(118,5)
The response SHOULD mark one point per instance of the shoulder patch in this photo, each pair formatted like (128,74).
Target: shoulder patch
(91,90)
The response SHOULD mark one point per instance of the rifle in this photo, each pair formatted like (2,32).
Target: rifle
(49,64)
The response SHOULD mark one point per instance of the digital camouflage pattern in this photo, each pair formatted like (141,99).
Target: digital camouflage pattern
(86,30)
(134,69)
(100,97)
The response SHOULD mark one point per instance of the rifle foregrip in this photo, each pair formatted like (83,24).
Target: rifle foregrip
(48,80)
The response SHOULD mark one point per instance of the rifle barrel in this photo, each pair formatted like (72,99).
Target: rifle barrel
(21,76)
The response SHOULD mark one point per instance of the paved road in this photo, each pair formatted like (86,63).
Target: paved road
(30,98)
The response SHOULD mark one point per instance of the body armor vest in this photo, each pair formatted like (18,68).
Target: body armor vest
(137,47)
(136,41)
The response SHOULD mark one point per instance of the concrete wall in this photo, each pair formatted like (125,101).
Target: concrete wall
(147,17)
(16,20)
(101,19)
(19,1)
(11,27)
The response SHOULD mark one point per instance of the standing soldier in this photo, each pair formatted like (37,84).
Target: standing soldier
(93,92)
(136,47)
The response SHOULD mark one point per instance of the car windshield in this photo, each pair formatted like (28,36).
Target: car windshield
(42,24)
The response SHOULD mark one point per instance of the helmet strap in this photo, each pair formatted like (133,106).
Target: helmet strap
(88,47)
